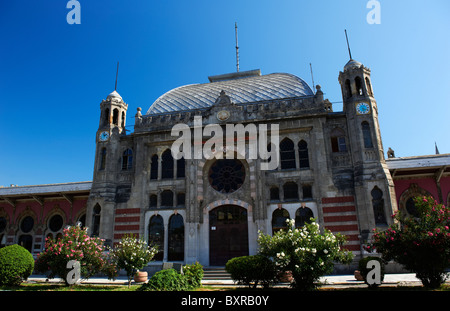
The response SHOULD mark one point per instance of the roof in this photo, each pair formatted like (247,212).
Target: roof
(242,87)
(46,189)
(419,161)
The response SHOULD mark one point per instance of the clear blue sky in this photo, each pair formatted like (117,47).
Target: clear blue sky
(53,75)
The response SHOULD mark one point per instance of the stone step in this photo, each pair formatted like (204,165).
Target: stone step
(216,274)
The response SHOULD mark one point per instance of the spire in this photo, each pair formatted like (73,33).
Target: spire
(117,73)
(348,45)
(436,148)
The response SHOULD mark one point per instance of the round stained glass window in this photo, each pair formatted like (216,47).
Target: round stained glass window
(56,222)
(27,224)
(227,175)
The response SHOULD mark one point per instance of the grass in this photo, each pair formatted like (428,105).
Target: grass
(38,286)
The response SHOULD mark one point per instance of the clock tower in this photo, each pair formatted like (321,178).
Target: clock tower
(372,179)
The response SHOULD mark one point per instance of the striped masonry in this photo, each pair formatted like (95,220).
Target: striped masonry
(339,215)
(126,222)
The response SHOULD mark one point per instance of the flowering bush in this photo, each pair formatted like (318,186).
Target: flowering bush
(74,244)
(132,254)
(421,244)
(306,252)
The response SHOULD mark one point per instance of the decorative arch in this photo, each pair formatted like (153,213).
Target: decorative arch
(51,223)
(237,202)
(405,198)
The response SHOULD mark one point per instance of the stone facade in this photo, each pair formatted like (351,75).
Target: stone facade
(333,162)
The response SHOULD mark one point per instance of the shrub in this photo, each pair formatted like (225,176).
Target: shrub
(421,243)
(74,244)
(194,274)
(131,254)
(167,280)
(250,270)
(306,252)
(362,267)
(16,264)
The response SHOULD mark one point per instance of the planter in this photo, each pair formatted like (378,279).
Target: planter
(285,277)
(141,277)
(358,275)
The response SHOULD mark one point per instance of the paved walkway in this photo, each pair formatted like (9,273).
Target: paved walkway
(330,280)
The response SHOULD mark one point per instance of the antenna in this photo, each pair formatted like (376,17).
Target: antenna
(348,45)
(312,77)
(237,47)
(117,73)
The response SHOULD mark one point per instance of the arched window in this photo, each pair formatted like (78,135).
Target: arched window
(102,159)
(156,235)
(167,198)
(27,224)
(176,238)
(338,143)
(367,136)
(378,206)
(167,164)
(290,190)
(279,217)
(303,215)
(274,193)
(116,116)
(154,167)
(153,201)
(82,220)
(127,159)
(303,154)
(181,168)
(348,88)
(287,154)
(3,224)
(359,87)
(96,211)
(123,119)
(106,117)
(369,86)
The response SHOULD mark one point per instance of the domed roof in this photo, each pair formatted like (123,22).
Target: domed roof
(352,64)
(241,88)
(114,94)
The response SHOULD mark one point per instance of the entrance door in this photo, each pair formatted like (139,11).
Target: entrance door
(228,234)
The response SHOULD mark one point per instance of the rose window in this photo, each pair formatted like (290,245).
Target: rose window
(227,175)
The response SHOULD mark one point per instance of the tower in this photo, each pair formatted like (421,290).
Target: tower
(374,188)
(101,202)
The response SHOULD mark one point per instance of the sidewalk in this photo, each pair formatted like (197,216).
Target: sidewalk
(330,280)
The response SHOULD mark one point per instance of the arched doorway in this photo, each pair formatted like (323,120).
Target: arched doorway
(228,234)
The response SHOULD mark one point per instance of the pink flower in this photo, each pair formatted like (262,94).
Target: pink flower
(430,233)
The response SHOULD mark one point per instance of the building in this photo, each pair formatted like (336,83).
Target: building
(331,167)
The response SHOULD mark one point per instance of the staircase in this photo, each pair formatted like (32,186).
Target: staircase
(216,276)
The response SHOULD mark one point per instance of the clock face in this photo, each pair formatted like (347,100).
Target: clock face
(104,136)
(362,108)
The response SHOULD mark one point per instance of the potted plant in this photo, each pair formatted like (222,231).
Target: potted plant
(133,254)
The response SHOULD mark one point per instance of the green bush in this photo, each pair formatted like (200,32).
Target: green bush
(167,280)
(16,264)
(362,266)
(248,270)
(194,274)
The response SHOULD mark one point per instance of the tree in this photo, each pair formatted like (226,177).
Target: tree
(306,252)
(421,243)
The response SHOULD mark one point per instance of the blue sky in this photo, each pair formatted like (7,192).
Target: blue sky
(53,75)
